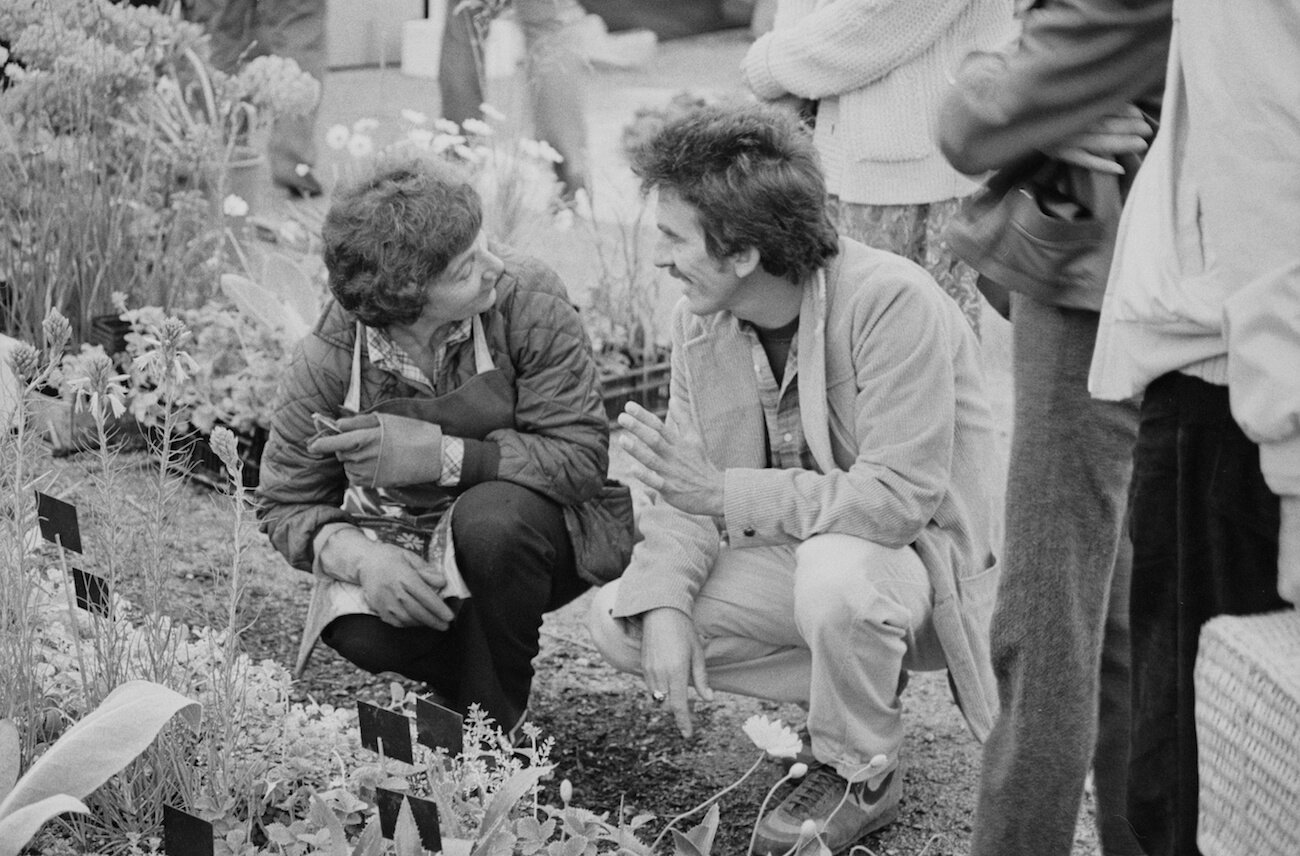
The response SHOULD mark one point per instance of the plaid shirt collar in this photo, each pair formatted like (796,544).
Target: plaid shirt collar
(388,355)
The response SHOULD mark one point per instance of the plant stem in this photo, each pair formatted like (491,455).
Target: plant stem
(753,835)
(710,801)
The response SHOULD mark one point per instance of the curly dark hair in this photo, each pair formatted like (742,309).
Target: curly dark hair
(752,174)
(389,234)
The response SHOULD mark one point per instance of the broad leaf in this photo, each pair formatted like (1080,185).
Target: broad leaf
(262,305)
(325,816)
(511,792)
(406,835)
(18,827)
(288,281)
(101,744)
(700,838)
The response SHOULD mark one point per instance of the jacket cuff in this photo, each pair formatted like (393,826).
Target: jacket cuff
(1280,463)
(634,600)
(482,462)
(757,70)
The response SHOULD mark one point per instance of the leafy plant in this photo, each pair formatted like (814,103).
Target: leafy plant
(82,759)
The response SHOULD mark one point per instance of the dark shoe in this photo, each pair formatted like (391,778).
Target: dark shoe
(870,805)
(303,186)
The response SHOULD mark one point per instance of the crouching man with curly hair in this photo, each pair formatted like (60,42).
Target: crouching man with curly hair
(820,515)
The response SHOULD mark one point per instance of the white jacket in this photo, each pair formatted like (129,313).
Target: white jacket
(1206,275)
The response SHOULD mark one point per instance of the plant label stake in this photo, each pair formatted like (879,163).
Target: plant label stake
(437,726)
(92,592)
(184,834)
(58,522)
(424,812)
(385,732)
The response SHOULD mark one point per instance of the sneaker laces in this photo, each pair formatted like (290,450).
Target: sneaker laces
(818,782)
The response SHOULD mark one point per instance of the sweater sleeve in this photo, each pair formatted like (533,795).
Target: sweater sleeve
(1076,61)
(843,45)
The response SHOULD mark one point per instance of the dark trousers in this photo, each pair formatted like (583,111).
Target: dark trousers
(1059,636)
(513,550)
(1205,533)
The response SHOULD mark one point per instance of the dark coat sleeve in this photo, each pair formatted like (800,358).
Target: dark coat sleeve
(1076,61)
(299,492)
(560,443)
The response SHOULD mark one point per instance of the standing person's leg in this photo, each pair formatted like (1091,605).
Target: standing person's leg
(294,29)
(460,67)
(557,84)
(1205,529)
(1066,499)
(1114,714)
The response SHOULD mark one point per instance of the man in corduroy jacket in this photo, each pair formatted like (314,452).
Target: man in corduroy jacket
(820,516)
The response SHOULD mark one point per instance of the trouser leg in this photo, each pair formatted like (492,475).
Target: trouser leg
(1205,528)
(514,552)
(293,29)
(557,82)
(1066,498)
(460,67)
(829,626)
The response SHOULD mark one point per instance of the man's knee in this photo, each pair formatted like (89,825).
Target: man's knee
(841,580)
(615,642)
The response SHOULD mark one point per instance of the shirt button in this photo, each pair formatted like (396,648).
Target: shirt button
(748,531)
(788,437)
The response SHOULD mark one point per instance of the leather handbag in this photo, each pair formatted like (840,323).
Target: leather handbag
(1045,228)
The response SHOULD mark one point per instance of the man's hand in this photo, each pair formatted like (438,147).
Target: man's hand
(672,657)
(1288,550)
(678,469)
(402,588)
(1126,132)
(383,450)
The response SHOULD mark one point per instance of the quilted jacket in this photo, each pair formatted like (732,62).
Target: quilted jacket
(558,447)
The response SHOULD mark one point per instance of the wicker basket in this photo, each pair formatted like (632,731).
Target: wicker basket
(1248,734)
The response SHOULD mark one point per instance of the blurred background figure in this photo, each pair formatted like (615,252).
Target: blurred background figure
(555,73)
(244,29)
(877,70)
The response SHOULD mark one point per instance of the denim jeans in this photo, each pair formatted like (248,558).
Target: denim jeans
(1060,630)
(513,550)
(1205,532)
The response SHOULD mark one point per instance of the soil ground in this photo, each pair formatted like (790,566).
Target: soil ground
(620,750)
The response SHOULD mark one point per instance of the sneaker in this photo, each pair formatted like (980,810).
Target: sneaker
(867,809)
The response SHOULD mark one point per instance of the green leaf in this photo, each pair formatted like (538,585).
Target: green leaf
(18,827)
(371,841)
(406,835)
(511,792)
(325,816)
(101,744)
(699,841)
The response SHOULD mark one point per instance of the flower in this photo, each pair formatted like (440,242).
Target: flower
(360,145)
(477,127)
(337,137)
(446,126)
(364,125)
(774,738)
(26,362)
(421,138)
(57,331)
(91,375)
(223,443)
(566,791)
(301,170)
(234,206)
(797,771)
(415,117)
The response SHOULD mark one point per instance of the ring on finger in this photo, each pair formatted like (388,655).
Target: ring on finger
(659,696)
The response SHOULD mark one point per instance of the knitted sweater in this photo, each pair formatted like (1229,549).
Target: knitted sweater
(879,69)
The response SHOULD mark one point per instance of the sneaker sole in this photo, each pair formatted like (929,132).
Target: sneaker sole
(881,822)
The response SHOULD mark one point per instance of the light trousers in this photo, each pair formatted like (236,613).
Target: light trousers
(830,624)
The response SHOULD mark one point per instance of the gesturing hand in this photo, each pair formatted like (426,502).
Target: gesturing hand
(671,659)
(402,588)
(1095,148)
(677,468)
